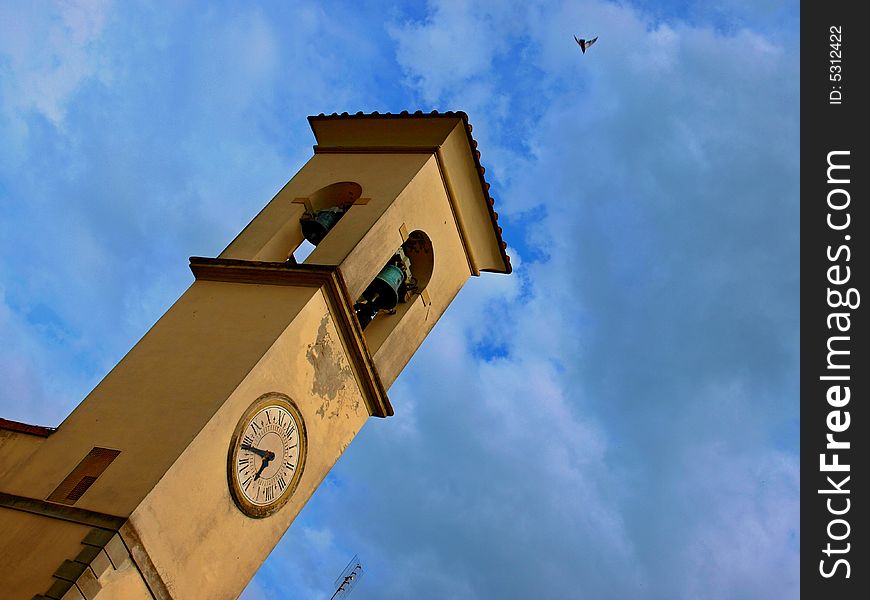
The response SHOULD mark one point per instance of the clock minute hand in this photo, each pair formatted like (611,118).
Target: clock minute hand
(262,453)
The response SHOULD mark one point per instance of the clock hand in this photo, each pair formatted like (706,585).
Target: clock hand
(267,458)
(262,453)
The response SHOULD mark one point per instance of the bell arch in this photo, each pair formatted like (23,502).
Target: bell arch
(415,258)
(325,207)
(342,193)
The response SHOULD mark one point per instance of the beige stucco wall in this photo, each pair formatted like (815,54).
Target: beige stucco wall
(422,205)
(32,547)
(16,449)
(156,400)
(202,545)
(275,231)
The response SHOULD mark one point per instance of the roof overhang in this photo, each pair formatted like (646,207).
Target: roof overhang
(446,135)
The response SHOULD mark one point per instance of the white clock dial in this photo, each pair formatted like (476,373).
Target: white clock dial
(267,455)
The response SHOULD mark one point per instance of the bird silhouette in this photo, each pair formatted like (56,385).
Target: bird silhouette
(585,43)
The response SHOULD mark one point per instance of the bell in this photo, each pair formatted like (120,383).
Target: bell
(316,225)
(365,313)
(383,292)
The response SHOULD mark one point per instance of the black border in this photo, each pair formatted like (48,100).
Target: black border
(827,127)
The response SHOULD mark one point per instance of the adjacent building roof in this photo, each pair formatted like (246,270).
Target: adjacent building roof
(19,427)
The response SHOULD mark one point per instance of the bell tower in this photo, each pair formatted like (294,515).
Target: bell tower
(177,475)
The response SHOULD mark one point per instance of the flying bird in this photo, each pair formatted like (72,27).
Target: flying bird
(585,43)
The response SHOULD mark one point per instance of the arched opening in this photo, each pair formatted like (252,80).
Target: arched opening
(343,193)
(418,248)
(398,285)
(325,207)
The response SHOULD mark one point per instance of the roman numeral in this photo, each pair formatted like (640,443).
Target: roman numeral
(289,465)
(281,483)
(256,427)
(246,483)
(291,430)
(268,420)
(280,419)
(248,440)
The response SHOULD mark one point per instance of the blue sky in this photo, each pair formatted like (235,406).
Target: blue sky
(617,419)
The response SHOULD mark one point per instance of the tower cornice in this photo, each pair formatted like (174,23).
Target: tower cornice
(329,279)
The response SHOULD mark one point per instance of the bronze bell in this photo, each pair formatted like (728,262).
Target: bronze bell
(316,225)
(382,293)
(365,313)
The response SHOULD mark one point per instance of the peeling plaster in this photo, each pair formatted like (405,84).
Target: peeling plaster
(332,372)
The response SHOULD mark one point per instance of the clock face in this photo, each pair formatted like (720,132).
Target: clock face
(266,455)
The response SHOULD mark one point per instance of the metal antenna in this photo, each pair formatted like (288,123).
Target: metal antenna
(352,573)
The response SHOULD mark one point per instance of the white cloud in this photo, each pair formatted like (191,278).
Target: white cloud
(455,45)
(50,55)
(32,388)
